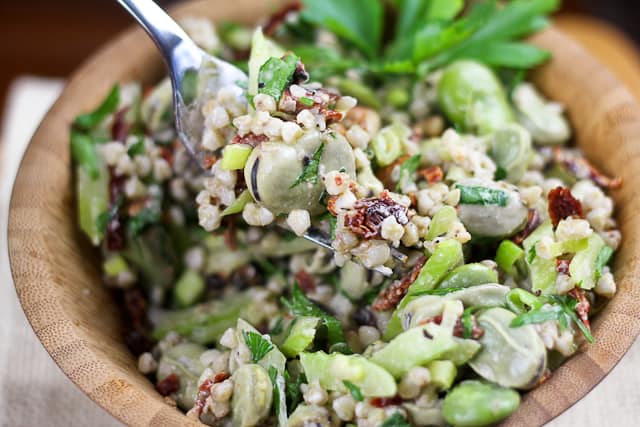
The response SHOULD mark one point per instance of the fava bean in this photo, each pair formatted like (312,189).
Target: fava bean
(184,361)
(252,395)
(474,404)
(472,97)
(470,275)
(545,120)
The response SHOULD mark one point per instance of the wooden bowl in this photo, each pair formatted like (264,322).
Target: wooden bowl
(57,276)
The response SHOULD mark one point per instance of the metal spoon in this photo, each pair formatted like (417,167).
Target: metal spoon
(189,68)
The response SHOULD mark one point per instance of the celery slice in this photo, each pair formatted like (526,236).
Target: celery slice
(300,336)
(442,222)
(93,200)
(235,156)
(583,264)
(542,271)
(189,288)
(388,144)
(507,255)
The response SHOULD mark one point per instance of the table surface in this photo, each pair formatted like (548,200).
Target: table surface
(34,391)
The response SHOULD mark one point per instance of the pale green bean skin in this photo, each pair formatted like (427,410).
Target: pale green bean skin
(469,275)
(472,97)
(475,404)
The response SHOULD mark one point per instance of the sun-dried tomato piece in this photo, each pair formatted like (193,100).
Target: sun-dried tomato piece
(367,215)
(120,127)
(169,385)
(331,116)
(432,174)
(563,205)
(583,169)
(389,298)
(306,281)
(533,221)
(250,139)
(583,307)
(381,402)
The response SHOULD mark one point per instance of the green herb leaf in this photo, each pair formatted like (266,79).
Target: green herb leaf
(356,21)
(568,304)
(407,169)
(538,316)
(258,345)
(294,395)
(395,420)
(439,291)
(308,102)
(467,322)
(333,223)
(276,74)
(278,384)
(354,390)
(137,148)
(602,259)
(108,106)
(84,153)
(309,172)
(300,305)
(149,215)
(103,220)
(476,195)
(508,54)
(532,253)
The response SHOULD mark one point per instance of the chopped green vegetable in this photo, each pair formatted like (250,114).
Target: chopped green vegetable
(467,322)
(275,75)
(279,395)
(235,156)
(356,21)
(103,220)
(543,272)
(475,195)
(93,201)
(307,101)
(332,369)
(583,267)
(442,222)
(300,305)
(89,121)
(300,336)
(354,390)
(508,255)
(469,275)
(189,288)
(388,144)
(84,153)
(407,169)
(414,347)
(310,171)
(258,345)
(443,373)
(115,265)
(238,204)
(603,259)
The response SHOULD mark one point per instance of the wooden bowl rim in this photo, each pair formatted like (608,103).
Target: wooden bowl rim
(162,411)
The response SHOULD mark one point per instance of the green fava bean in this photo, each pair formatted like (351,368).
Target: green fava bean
(510,357)
(510,148)
(475,404)
(252,395)
(472,97)
(273,170)
(184,361)
(470,275)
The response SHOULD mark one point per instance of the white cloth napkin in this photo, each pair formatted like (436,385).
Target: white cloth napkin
(34,391)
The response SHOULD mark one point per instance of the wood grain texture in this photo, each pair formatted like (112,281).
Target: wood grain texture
(57,276)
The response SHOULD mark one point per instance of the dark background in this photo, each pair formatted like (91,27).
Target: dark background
(52,37)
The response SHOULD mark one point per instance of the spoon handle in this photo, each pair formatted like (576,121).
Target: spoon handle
(178,51)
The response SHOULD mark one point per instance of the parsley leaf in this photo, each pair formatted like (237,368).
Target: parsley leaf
(308,102)
(476,195)
(333,223)
(561,307)
(276,74)
(532,253)
(467,322)
(103,220)
(292,389)
(146,217)
(300,305)
(407,169)
(278,385)
(356,21)
(309,172)
(354,390)
(108,106)
(258,345)
(395,420)
(137,148)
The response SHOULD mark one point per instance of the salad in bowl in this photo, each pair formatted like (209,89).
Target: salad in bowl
(470,240)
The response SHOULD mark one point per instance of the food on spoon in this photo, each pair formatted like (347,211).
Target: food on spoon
(428,144)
